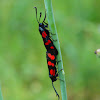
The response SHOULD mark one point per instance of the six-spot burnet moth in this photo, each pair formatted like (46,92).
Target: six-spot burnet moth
(48,42)
(52,52)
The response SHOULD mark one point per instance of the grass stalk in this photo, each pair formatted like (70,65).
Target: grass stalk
(1,98)
(52,26)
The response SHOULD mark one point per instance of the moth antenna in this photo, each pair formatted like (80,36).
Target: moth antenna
(36,14)
(55,91)
(40,16)
(44,17)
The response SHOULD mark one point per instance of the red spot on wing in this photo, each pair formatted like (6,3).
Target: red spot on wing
(44,34)
(52,57)
(52,72)
(51,47)
(48,42)
(51,64)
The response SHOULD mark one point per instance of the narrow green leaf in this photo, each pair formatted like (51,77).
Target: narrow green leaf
(1,98)
(52,26)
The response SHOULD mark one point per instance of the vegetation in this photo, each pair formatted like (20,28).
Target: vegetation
(23,66)
(1,95)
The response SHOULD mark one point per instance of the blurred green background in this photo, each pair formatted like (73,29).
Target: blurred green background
(23,66)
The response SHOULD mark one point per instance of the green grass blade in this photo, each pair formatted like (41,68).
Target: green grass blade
(1,98)
(52,26)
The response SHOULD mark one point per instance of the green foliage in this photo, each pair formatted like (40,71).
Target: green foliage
(1,95)
(23,67)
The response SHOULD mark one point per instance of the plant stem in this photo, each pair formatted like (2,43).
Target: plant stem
(52,26)
(0,94)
